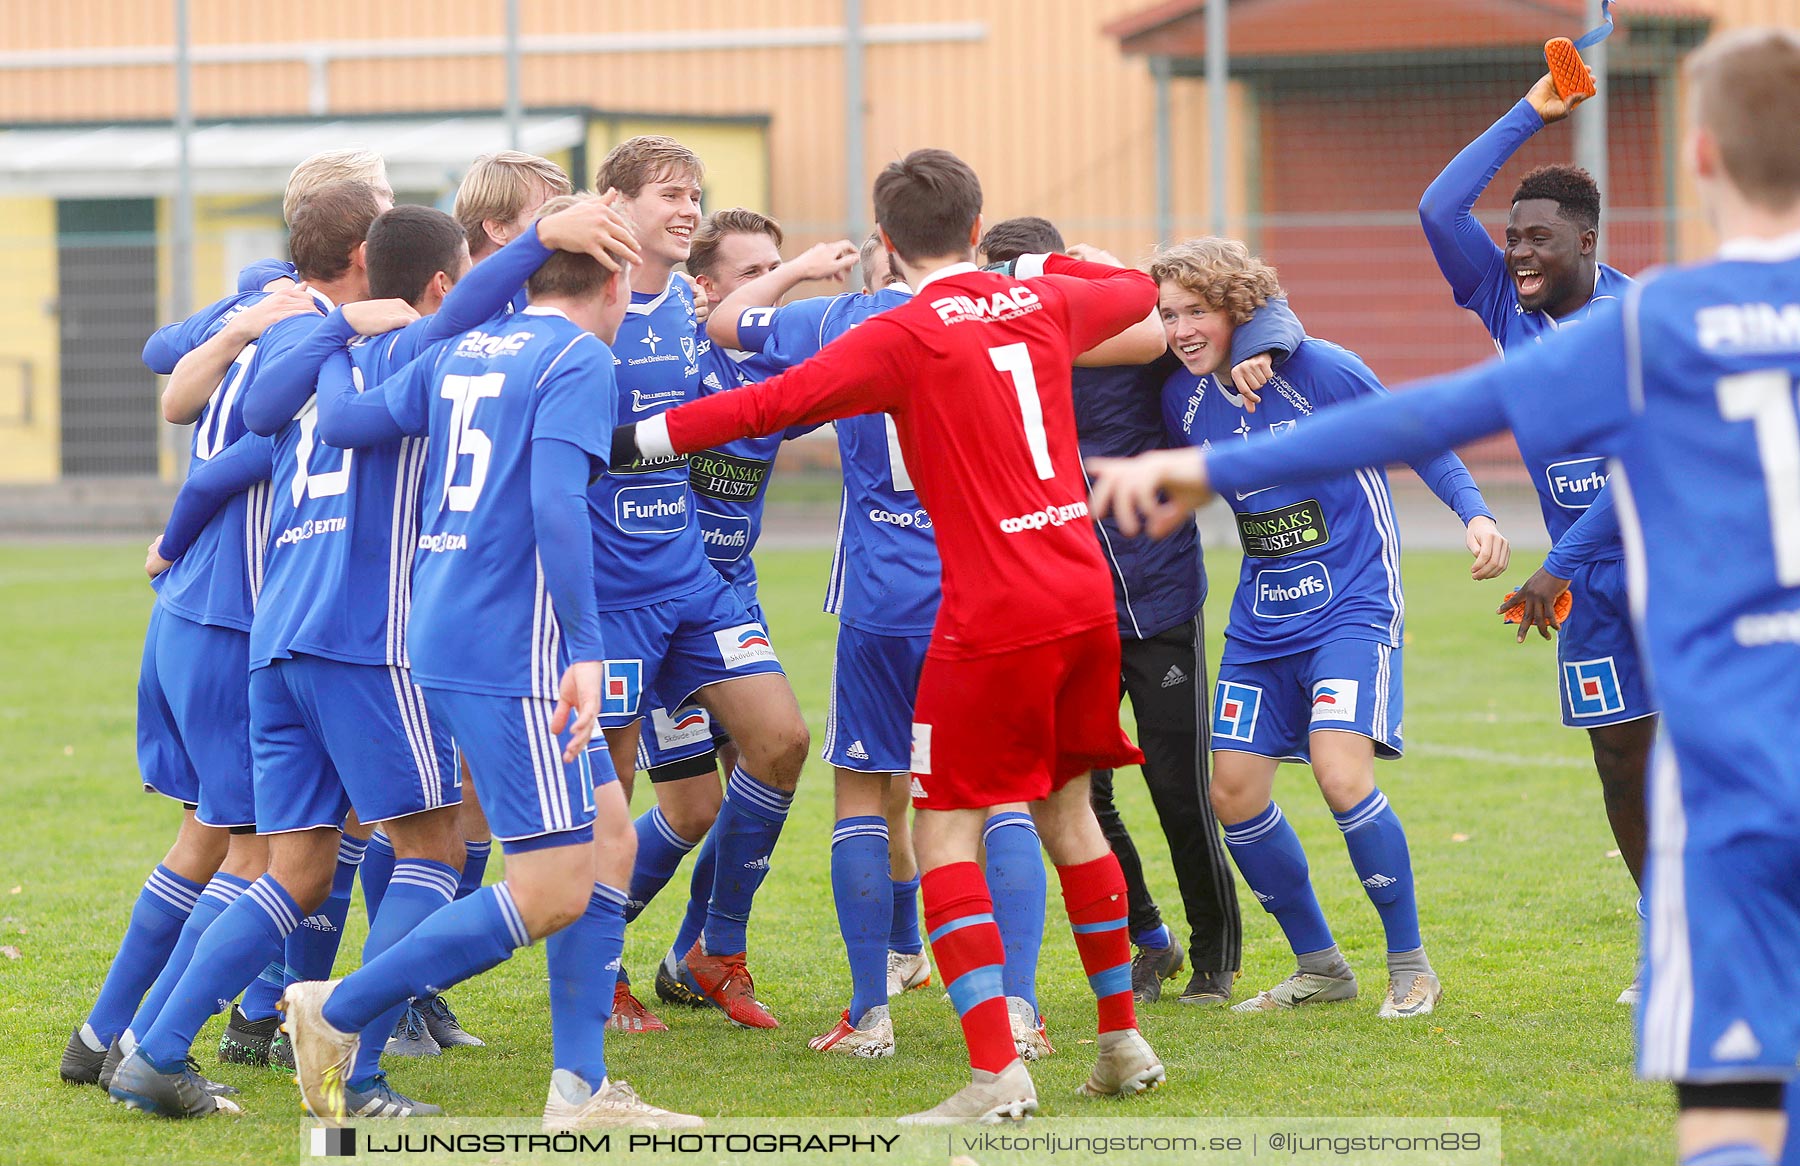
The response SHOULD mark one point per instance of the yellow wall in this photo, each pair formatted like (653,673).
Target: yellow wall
(28,331)
(736,156)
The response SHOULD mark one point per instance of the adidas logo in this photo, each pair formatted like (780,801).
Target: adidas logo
(637,905)
(1737,1044)
(918,790)
(1173,677)
(757,863)
(712,382)
(1377,881)
(613,964)
(857,751)
(1260,897)
(318,923)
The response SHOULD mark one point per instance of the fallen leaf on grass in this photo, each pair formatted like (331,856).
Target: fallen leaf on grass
(1613,853)
(1459,837)
(10,952)
(15,890)
(68,750)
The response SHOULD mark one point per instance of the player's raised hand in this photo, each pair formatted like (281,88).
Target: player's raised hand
(1088,253)
(1154,491)
(1535,604)
(1548,102)
(825,260)
(293,300)
(593,226)
(578,696)
(373,317)
(1491,550)
(154,563)
(1249,376)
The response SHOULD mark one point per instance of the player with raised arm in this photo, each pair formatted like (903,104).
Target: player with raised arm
(513,417)
(674,630)
(1689,386)
(1017,700)
(1311,670)
(1548,277)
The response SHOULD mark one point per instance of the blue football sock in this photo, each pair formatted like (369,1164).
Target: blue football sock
(1157,937)
(700,886)
(1735,1154)
(241,940)
(1378,851)
(453,943)
(903,932)
(1016,879)
(419,887)
(157,919)
(584,960)
(659,853)
(748,827)
(265,990)
(475,860)
(313,948)
(212,902)
(1269,856)
(862,891)
(377,869)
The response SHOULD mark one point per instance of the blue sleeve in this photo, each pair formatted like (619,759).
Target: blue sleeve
(249,460)
(489,286)
(396,408)
(1273,329)
(787,335)
(1595,532)
(282,384)
(1451,481)
(1473,263)
(559,517)
(253,277)
(1527,392)
(169,343)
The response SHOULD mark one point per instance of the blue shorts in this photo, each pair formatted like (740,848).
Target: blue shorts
(194,718)
(1271,707)
(527,791)
(874,684)
(671,650)
(329,736)
(1722,942)
(686,732)
(1600,678)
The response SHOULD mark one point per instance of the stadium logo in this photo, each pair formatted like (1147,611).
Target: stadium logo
(1003,305)
(1334,700)
(747,643)
(1593,688)
(1193,408)
(659,509)
(333,1142)
(1575,484)
(1052,515)
(1235,710)
(916,519)
(687,725)
(622,683)
(1285,592)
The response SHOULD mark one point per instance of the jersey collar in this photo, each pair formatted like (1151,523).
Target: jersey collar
(645,308)
(320,298)
(1754,250)
(946,273)
(544,310)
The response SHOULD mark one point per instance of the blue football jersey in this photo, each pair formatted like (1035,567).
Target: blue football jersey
(731,483)
(344,526)
(1321,561)
(217,581)
(885,575)
(647,546)
(482,619)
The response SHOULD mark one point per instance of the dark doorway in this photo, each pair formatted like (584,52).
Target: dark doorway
(106,276)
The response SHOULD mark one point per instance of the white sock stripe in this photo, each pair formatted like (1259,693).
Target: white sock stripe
(226,893)
(1367,815)
(844,833)
(611,894)
(380,841)
(1023,821)
(1243,833)
(661,825)
(351,850)
(479,849)
(173,893)
(447,893)
(748,789)
(509,911)
(271,902)
(424,873)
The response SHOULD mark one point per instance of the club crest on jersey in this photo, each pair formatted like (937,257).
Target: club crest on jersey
(1285,592)
(1002,305)
(747,643)
(687,348)
(1593,687)
(622,683)
(687,725)
(1334,700)
(1576,483)
(1235,708)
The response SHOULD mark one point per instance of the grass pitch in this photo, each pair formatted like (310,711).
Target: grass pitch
(1527,913)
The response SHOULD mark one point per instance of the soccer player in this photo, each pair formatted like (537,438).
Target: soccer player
(1311,669)
(499,197)
(1689,386)
(1159,588)
(1017,699)
(515,418)
(674,630)
(1546,278)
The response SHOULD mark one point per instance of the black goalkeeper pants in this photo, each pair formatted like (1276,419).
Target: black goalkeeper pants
(1165,678)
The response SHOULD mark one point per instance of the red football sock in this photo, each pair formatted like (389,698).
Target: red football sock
(1094,893)
(960,916)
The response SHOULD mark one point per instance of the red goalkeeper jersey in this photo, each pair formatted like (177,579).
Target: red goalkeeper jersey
(975,372)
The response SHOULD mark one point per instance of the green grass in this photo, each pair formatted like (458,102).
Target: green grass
(1526,912)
